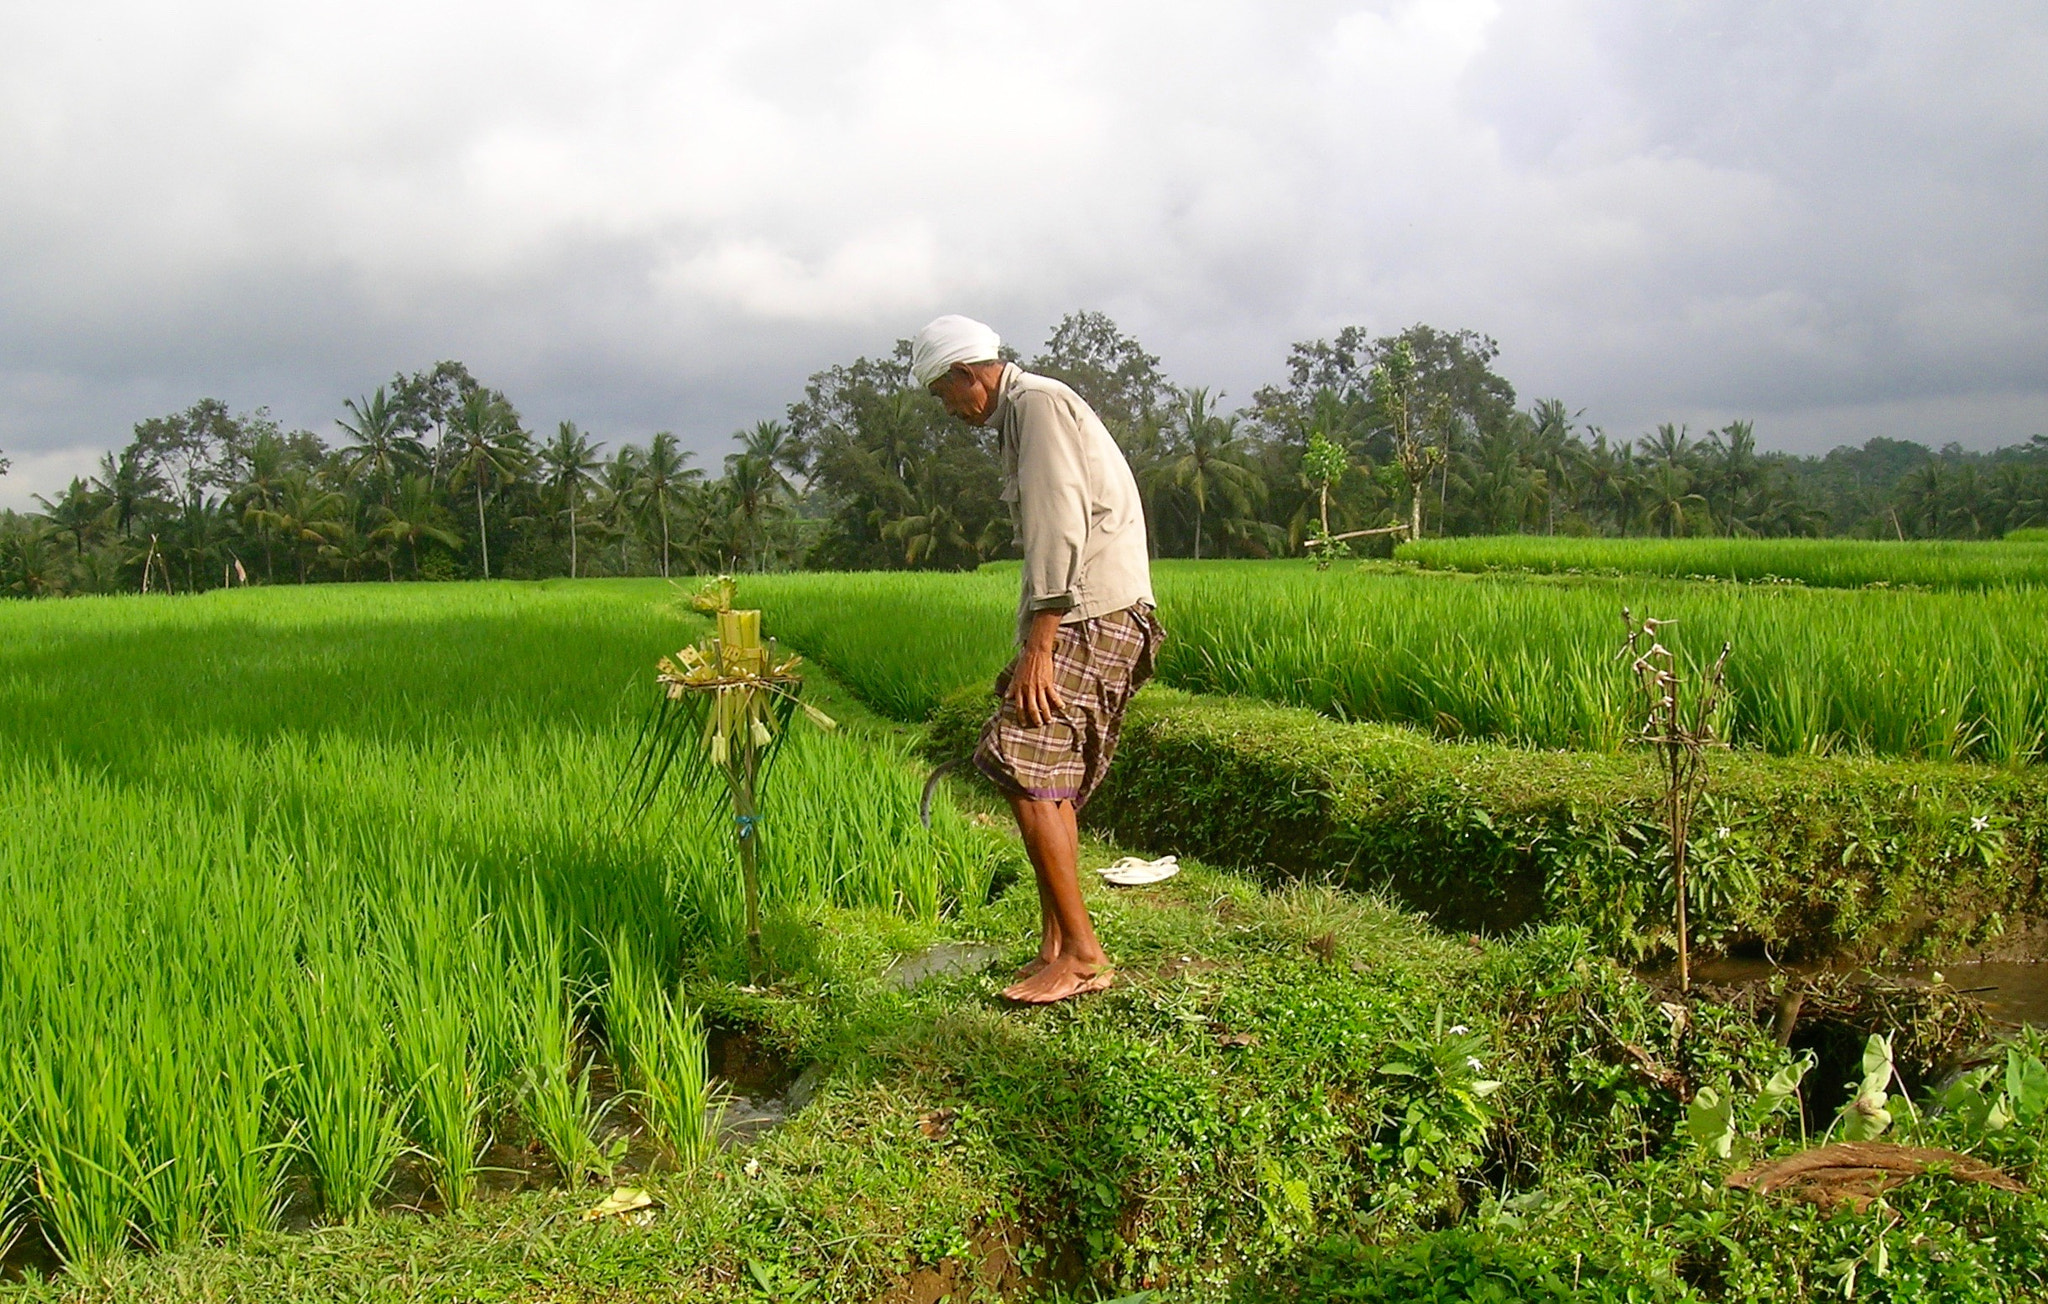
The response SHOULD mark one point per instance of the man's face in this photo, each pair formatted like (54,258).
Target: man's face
(968,391)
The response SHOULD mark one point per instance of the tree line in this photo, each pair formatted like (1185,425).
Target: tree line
(435,475)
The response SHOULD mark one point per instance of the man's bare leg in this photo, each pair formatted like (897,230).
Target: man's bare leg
(1048,930)
(1073,958)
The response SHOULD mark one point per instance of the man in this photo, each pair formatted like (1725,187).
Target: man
(1086,635)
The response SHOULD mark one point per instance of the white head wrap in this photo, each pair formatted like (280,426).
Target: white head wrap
(947,340)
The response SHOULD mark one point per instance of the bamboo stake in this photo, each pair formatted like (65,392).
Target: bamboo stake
(1680,740)
(1358,534)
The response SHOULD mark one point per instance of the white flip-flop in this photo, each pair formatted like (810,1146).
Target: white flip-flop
(1133,871)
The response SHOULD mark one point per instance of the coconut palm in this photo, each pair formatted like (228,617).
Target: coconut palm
(261,491)
(1673,504)
(570,462)
(661,478)
(129,485)
(933,529)
(778,450)
(378,445)
(1205,459)
(29,566)
(414,515)
(306,517)
(78,512)
(1557,454)
(616,479)
(491,451)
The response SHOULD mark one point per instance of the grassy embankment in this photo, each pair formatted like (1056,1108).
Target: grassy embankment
(1811,854)
(2019,561)
(1284,1095)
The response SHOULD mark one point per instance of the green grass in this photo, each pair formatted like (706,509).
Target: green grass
(296,878)
(1942,676)
(1279,1101)
(1821,563)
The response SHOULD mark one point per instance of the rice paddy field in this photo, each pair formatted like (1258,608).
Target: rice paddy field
(2018,561)
(317,895)
(306,884)
(1944,675)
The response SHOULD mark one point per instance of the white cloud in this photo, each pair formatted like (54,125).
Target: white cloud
(654,215)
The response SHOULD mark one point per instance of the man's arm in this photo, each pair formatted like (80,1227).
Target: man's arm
(1052,501)
(1033,687)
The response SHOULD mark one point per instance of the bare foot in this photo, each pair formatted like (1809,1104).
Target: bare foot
(1063,979)
(1048,948)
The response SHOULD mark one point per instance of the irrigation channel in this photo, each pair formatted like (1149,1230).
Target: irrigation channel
(326,912)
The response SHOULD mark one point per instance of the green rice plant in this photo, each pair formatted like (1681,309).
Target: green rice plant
(77,1135)
(226,951)
(555,1074)
(1936,675)
(659,1045)
(901,641)
(14,1167)
(351,1118)
(432,1048)
(249,1158)
(2018,562)
(175,1186)
(429,946)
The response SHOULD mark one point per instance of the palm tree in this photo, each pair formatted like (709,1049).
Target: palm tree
(662,477)
(78,512)
(491,451)
(933,527)
(378,443)
(615,505)
(260,491)
(306,516)
(570,462)
(416,514)
(757,479)
(777,450)
(28,569)
(129,485)
(1733,473)
(1503,484)
(1672,498)
(349,548)
(1205,460)
(1555,452)
(1671,445)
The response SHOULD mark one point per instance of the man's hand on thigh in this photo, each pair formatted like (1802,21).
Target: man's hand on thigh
(1034,689)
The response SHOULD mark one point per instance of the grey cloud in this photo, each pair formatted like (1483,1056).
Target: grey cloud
(650,216)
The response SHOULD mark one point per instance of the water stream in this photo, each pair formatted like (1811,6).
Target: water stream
(2013,992)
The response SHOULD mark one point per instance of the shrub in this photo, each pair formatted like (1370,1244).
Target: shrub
(1810,856)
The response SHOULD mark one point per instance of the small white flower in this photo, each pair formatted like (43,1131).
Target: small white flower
(753,1168)
(1472,1062)
(1979,823)
(1722,833)
(1459,1030)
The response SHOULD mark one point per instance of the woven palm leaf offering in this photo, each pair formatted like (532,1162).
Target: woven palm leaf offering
(725,709)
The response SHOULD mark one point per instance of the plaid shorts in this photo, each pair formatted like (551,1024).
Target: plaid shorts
(1097,664)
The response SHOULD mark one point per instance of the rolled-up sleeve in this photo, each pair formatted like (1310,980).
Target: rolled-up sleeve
(1052,512)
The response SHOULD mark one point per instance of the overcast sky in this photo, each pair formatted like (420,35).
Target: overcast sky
(1829,217)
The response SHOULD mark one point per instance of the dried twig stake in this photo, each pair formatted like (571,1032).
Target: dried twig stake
(725,708)
(1681,732)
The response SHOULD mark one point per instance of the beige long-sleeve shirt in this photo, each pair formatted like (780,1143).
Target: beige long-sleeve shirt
(1073,500)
